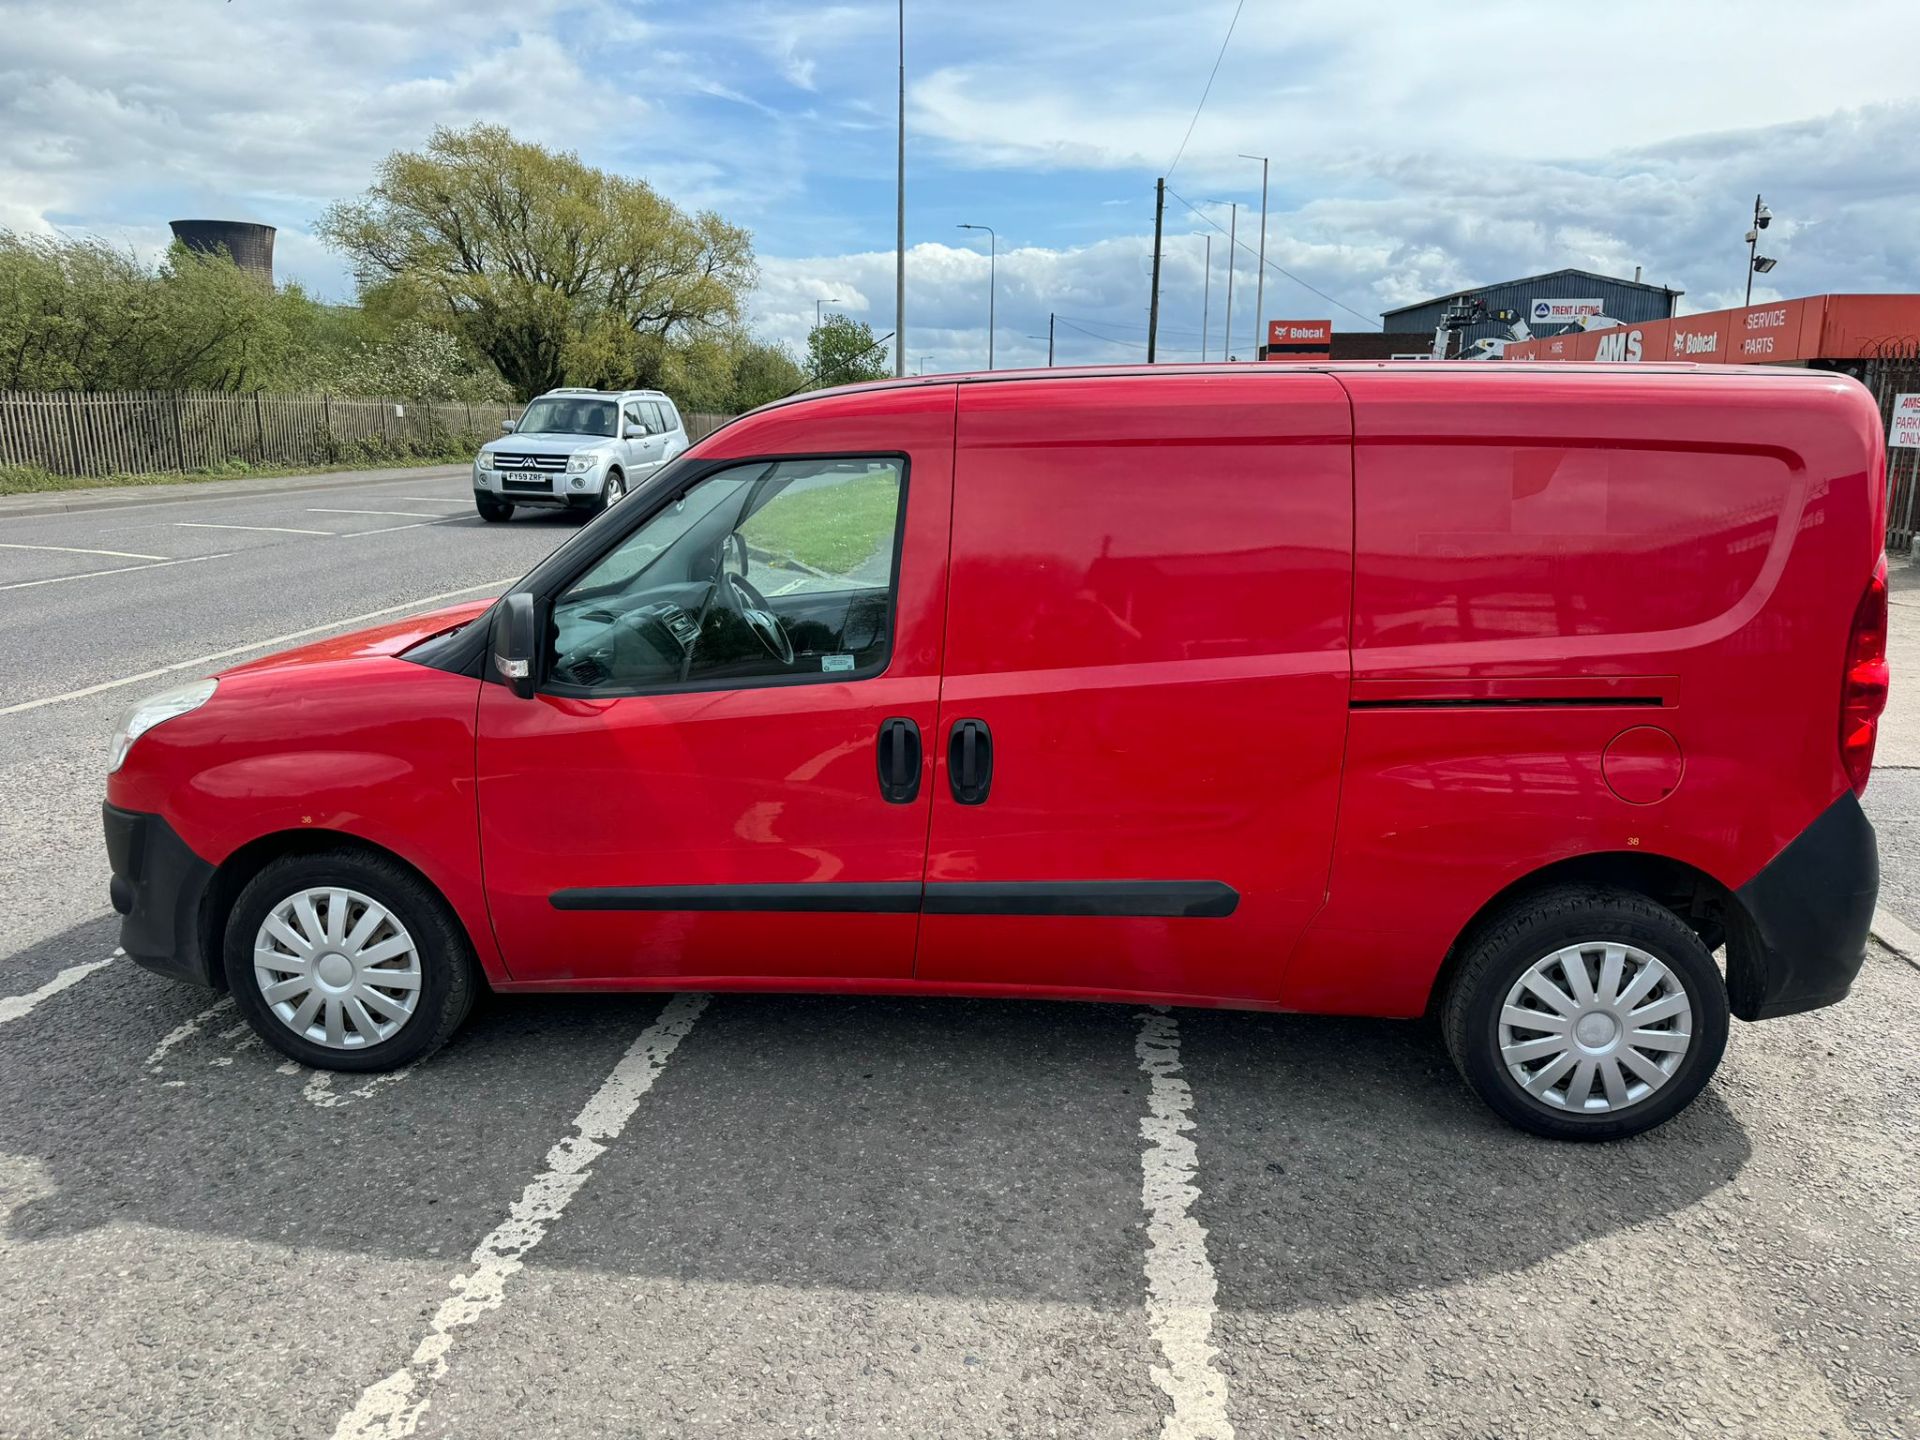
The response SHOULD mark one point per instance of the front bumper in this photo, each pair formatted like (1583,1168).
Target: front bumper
(1803,934)
(160,887)
(564,493)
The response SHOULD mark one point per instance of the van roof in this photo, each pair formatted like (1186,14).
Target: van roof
(1250,370)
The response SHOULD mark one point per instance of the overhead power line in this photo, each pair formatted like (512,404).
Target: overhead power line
(1208,91)
(1273,265)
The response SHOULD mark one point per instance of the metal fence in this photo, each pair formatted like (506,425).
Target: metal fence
(106,433)
(1886,379)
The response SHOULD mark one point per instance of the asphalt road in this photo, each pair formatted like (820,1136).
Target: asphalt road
(770,1216)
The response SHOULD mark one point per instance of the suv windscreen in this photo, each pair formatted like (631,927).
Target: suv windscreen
(565,415)
(762,570)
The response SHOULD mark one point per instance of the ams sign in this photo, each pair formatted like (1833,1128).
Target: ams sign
(1619,345)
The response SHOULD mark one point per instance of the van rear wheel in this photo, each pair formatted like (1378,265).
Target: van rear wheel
(345,960)
(1586,1013)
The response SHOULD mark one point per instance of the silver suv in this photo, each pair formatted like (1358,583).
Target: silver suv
(576,449)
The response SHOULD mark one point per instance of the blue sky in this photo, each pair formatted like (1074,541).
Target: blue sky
(1416,148)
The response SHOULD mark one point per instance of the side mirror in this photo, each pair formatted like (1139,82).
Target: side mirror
(506,427)
(733,555)
(512,644)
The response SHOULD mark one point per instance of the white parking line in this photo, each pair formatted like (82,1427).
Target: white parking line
(272,643)
(409,514)
(392,1408)
(75,550)
(275,529)
(18,1007)
(1180,1281)
(319,1088)
(411,525)
(435,499)
(1898,936)
(185,1030)
(101,574)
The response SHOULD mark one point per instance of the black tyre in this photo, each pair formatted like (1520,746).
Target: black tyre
(346,960)
(613,490)
(1585,1013)
(492,510)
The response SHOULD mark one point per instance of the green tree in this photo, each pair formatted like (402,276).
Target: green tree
(841,351)
(555,271)
(77,314)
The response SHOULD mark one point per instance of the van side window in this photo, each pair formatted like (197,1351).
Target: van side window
(762,572)
(636,419)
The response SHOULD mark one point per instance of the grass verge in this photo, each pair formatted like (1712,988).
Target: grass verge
(32,480)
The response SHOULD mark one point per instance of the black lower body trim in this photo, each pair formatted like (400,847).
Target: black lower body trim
(159,887)
(1800,935)
(1195,899)
(902,898)
(1185,899)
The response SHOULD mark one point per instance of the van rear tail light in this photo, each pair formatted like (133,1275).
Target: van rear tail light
(1865,693)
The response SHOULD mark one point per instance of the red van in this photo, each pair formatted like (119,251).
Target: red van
(1508,695)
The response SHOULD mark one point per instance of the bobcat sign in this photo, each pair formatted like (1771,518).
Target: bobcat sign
(1821,327)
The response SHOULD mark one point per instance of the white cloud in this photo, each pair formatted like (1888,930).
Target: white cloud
(1416,150)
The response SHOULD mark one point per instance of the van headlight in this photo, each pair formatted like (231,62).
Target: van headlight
(485,462)
(155,710)
(580,464)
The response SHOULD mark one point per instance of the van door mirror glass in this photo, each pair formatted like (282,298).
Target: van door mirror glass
(733,555)
(513,644)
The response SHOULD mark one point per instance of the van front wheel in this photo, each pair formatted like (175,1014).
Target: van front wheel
(345,960)
(1585,1013)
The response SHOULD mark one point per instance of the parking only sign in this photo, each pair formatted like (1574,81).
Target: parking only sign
(1905,426)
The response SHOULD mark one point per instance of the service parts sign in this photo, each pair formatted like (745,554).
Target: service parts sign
(1294,338)
(1542,310)
(1904,428)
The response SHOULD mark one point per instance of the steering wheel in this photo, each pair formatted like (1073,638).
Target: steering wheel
(750,605)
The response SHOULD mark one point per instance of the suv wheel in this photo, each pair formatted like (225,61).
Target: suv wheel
(492,510)
(614,489)
(1584,1013)
(346,961)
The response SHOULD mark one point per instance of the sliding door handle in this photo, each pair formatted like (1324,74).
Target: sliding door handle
(898,760)
(970,761)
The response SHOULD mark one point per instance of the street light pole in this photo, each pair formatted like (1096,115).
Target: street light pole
(1757,264)
(1260,280)
(816,309)
(1206,298)
(1233,253)
(993,262)
(900,216)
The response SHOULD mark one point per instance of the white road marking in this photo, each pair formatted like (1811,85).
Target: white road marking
(101,574)
(1180,1281)
(319,1089)
(273,643)
(391,1409)
(18,1007)
(74,550)
(412,525)
(185,1030)
(435,499)
(273,529)
(409,514)
(1898,936)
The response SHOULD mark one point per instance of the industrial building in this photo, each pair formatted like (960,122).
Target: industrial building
(248,245)
(1549,304)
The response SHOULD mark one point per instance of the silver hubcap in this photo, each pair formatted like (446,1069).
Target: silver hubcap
(337,967)
(1595,1027)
